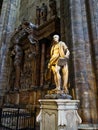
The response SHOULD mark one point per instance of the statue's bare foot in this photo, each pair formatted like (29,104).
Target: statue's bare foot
(55,91)
(66,91)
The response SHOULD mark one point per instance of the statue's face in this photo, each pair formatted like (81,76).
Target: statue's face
(56,38)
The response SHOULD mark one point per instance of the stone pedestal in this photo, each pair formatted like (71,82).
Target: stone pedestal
(58,114)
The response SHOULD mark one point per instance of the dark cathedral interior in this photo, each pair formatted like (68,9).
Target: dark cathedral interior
(26,31)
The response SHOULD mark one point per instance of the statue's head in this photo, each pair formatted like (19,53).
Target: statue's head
(56,38)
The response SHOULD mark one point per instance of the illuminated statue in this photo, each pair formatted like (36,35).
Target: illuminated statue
(58,63)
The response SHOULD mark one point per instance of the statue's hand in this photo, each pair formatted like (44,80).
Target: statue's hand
(67,54)
(66,57)
(48,66)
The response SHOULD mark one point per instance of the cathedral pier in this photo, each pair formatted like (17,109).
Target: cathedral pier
(7,24)
(85,83)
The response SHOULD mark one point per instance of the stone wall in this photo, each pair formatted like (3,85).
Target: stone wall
(7,25)
(28,9)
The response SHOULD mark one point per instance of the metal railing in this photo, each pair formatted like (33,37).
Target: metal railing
(17,118)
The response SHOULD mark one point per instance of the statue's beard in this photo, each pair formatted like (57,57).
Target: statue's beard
(55,42)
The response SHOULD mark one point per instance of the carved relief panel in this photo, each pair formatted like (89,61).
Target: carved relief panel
(28,74)
(24,54)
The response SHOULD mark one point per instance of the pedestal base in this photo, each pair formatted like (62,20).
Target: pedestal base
(57,94)
(60,114)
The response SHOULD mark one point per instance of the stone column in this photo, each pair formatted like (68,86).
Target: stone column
(62,19)
(59,114)
(84,78)
(93,27)
(7,24)
(42,64)
(91,79)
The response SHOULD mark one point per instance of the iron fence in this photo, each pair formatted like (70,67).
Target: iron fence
(17,118)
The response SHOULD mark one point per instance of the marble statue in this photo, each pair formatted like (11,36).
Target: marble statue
(58,64)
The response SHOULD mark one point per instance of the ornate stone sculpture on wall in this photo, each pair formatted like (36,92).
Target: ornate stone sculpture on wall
(53,9)
(17,54)
(19,40)
(44,12)
(41,14)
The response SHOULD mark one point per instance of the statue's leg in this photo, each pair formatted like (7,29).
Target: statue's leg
(65,78)
(17,77)
(57,76)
